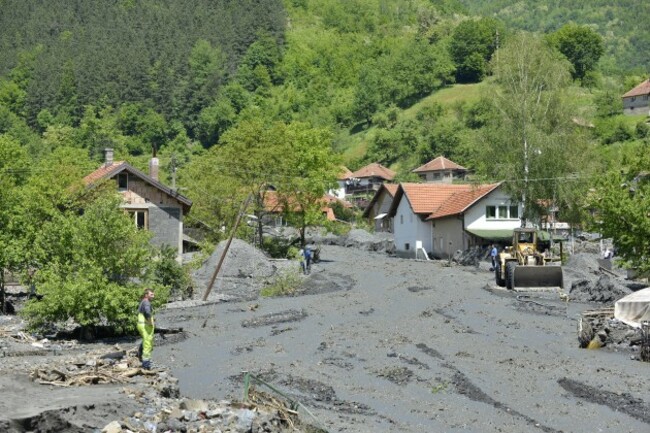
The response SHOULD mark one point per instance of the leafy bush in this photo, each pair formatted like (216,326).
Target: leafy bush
(170,274)
(284,284)
(91,262)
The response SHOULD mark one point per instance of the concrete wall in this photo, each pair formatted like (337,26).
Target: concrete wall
(448,236)
(409,228)
(636,105)
(382,205)
(166,225)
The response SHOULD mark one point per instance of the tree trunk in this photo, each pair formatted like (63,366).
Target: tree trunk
(3,302)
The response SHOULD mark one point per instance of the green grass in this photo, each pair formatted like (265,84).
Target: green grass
(354,146)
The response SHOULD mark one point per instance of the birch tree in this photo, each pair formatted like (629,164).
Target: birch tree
(531,140)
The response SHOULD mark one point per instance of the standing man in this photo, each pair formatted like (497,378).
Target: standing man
(146,328)
(493,255)
(307,259)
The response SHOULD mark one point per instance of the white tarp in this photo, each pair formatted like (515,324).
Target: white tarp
(633,308)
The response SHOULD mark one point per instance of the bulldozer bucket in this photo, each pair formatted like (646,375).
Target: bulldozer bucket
(537,276)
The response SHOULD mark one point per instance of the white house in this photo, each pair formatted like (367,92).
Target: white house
(444,218)
(341,181)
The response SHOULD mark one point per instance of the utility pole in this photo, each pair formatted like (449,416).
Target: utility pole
(225,250)
(173,167)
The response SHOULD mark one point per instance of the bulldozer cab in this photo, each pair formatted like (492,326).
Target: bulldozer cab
(525,236)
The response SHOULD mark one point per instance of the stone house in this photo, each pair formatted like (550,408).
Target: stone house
(636,100)
(153,206)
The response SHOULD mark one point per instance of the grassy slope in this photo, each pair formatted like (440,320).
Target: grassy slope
(354,146)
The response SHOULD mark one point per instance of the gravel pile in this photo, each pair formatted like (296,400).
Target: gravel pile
(244,272)
(587,283)
(604,290)
(361,239)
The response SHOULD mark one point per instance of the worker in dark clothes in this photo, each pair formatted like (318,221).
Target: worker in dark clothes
(146,328)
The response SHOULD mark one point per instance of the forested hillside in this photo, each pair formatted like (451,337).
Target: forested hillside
(621,23)
(66,54)
(234,95)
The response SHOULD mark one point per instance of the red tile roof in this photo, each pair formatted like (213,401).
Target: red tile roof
(438,164)
(425,198)
(103,172)
(375,170)
(273,204)
(108,171)
(391,188)
(641,89)
(460,201)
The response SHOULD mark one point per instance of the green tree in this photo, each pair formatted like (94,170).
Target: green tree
(621,207)
(310,169)
(530,140)
(14,170)
(93,261)
(471,47)
(581,45)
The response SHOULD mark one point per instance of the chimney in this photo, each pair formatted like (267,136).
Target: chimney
(108,156)
(153,168)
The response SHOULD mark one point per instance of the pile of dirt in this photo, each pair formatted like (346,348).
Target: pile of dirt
(472,256)
(244,272)
(603,290)
(599,329)
(588,282)
(361,239)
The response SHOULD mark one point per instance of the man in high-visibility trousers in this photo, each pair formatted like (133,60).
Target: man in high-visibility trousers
(146,328)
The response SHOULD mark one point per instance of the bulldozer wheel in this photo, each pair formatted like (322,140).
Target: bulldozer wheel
(510,275)
(497,274)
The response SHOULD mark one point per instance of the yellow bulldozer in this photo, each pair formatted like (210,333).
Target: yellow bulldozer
(525,264)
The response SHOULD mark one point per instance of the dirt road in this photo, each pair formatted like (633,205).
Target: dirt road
(379,344)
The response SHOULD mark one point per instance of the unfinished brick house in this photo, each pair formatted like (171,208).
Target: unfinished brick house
(153,206)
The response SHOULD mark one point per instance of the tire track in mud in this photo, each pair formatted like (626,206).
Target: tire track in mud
(634,407)
(465,387)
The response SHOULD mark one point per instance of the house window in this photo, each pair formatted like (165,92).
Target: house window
(514,212)
(140,218)
(436,175)
(122,181)
(645,97)
(401,219)
(502,212)
(407,246)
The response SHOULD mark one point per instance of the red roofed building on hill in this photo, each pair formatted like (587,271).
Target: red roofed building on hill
(441,169)
(443,218)
(368,179)
(636,101)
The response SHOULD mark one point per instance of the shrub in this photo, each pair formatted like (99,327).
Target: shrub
(284,284)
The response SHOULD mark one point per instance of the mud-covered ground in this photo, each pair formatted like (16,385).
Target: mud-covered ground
(380,344)
(373,343)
